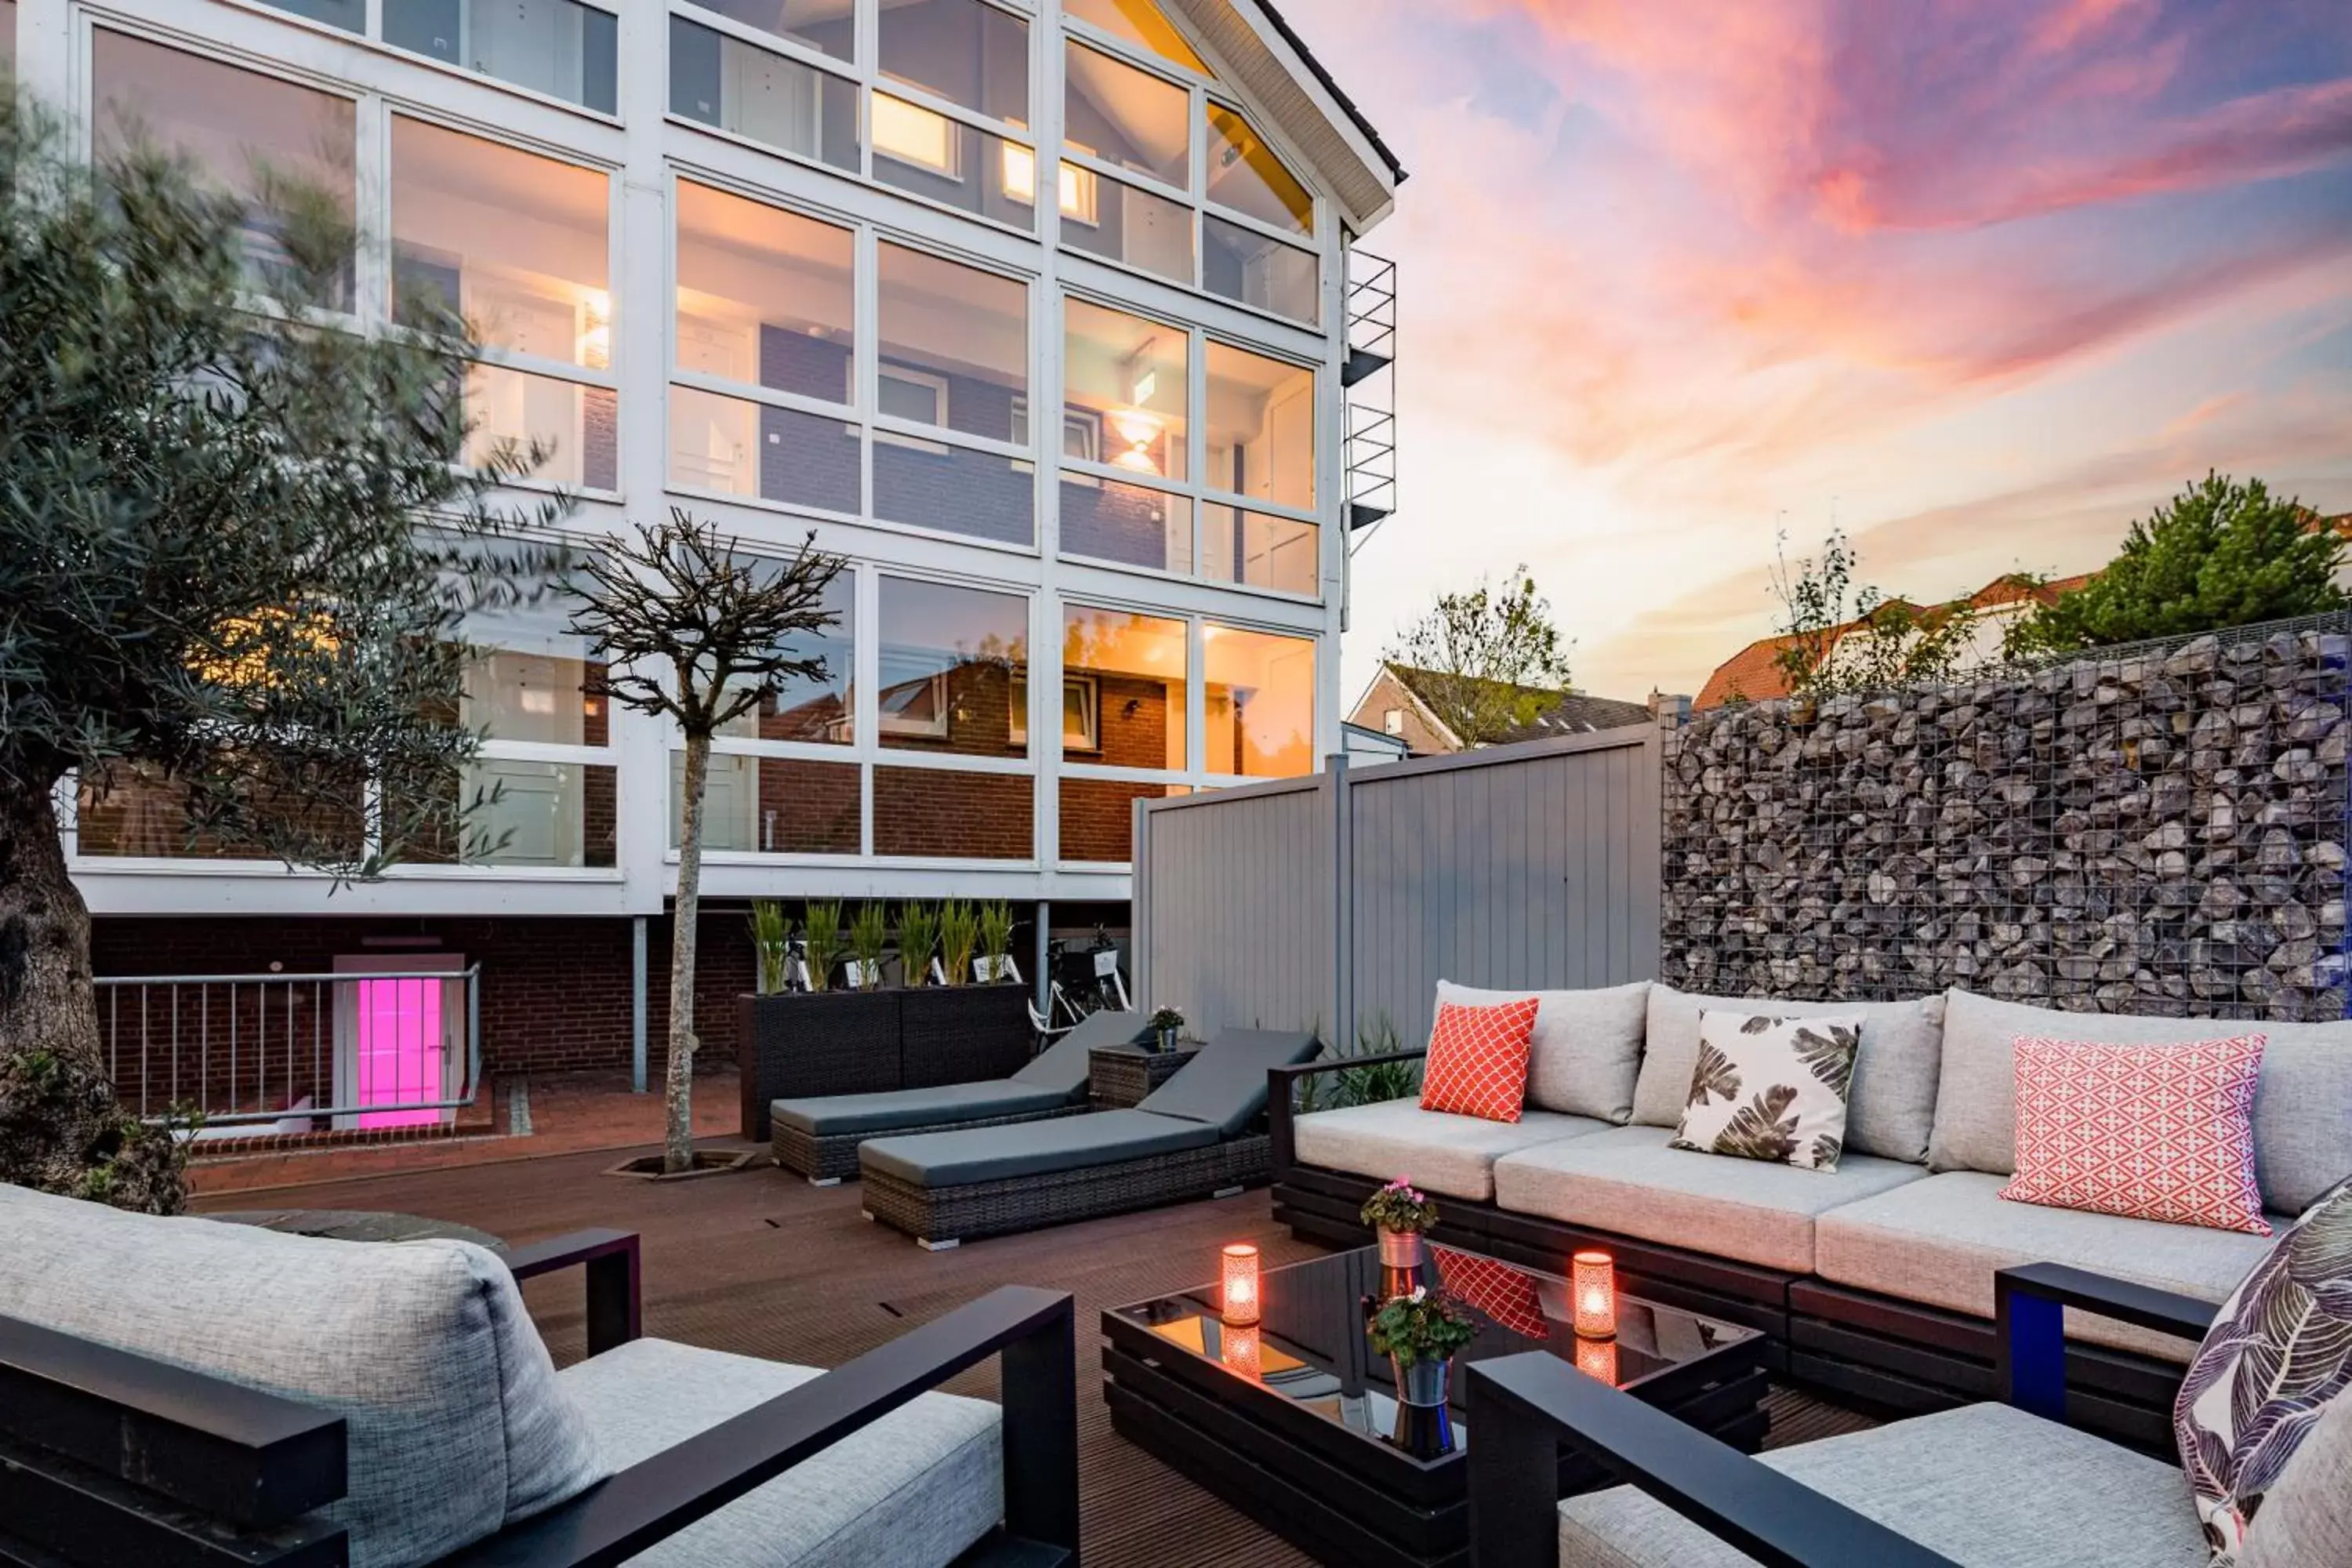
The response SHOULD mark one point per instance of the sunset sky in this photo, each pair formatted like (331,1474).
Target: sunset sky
(1980,279)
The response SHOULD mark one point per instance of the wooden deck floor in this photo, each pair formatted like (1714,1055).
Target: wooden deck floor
(762,1263)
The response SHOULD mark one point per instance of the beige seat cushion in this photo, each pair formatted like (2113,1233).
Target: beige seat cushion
(914,1489)
(1891,1107)
(1586,1050)
(1985,1485)
(1939,1242)
(1439,1151)
(1628,1182)
(2301,1109)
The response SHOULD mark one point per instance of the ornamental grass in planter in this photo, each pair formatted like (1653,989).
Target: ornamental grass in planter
(869,938)
(918,943)
(959,937)
(822,942)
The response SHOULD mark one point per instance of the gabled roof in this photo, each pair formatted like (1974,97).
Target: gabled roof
(1265,59)
(1754,673)
(1561,712)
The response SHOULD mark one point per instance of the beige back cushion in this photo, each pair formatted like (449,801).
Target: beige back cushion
(455,1421)
(2305,1518)
(2303,1111)
(1892,1105)
(1586,1050)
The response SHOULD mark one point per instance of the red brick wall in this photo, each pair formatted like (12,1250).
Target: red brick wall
(930,812)
(555,992)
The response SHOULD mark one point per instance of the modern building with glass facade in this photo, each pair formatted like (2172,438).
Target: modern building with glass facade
(816,266)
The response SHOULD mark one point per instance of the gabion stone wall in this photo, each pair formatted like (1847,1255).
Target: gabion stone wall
(2156,830)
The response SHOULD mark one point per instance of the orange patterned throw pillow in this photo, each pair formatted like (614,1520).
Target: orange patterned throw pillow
(2161,1132)
(1478,1059)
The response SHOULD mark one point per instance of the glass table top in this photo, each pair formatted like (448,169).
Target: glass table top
(1310,1346)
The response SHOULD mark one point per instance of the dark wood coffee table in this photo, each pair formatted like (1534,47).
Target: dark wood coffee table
(1298,1426)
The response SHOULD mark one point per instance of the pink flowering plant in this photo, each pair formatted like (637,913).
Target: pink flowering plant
(1401,1207)
(1427,1325)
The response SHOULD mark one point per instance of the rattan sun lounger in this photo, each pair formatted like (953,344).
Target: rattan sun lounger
(819,1136)
(1200,1134)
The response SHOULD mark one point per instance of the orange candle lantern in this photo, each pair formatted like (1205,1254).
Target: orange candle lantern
(1241,1353)
(1240,1284)
(1598,1359)
(1593,1285)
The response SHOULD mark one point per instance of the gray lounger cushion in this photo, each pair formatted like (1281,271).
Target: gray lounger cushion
(1434,1149)
(455,1420)
(1891,1110)
(1627,1181)
(1063,1065)
(841,1115)
(912,1491)
(1224,1084)
(2301,1109)
(1985,1485)
(1030,1148)
(1940,1241)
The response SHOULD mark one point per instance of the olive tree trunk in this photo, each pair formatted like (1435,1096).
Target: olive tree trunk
(61,1130)
(677,1144)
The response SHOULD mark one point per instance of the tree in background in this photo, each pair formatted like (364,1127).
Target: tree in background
(2220,553)
(1837,636)
(699,634)
(1490,659)
(218,584)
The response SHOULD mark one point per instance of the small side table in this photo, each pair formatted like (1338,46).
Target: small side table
(1119,1077)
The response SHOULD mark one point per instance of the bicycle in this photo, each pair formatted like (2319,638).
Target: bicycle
(1078,984)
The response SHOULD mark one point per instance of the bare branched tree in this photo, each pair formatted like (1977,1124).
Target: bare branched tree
(699,632)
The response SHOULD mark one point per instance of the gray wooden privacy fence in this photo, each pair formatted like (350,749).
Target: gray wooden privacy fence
(1338,901)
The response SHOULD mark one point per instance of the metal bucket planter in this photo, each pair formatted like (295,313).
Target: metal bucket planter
(1425,1422)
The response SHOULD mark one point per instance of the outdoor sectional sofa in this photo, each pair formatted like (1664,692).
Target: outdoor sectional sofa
(1198,1135)
(1875,1279)
(819,1136)
(186,1391)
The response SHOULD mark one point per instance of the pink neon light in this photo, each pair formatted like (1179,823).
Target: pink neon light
(399,1049)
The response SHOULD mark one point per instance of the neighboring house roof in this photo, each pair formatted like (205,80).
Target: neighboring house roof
(1568,713)
(1754,673)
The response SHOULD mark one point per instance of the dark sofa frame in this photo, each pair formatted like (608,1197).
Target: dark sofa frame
(106,1456)
(1897,1356)
(1525,1406)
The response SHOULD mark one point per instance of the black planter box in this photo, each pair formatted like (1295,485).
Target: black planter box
(805,1043)
(811,1043)
(963,1034)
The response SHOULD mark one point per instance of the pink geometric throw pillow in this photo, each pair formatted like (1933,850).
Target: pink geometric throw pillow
(2161,1132)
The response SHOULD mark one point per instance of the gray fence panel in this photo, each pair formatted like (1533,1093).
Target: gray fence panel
(1520,867)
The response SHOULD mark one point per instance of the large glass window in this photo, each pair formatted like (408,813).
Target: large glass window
(545,699)
(735,447)
(140,813)
(1258,550)
(816,711)
(773,805)
(830,25)
(772,100)
(235,124)
(1258,702)
(1254,268)
(576,426)
(925,153)
(1117,113)
(1125,379)
(950,660)
(560,47)
(1246,176)
(1140,23)
(1130,524)
(765,297)
(936,813)
(1133,226)
(965,51)
(1128,672)
(1097,817)
(518,244)
(954,344)
(1261,439)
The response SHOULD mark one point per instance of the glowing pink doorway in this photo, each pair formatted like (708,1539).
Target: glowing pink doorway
(396,1035)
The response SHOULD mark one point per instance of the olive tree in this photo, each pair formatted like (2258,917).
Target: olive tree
(236,550)
(698,632)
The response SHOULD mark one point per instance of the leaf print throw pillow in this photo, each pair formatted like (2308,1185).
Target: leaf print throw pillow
(1771,1089)
(2279,1348)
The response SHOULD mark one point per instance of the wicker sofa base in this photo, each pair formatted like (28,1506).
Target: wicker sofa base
(834,1159)
(939,1216)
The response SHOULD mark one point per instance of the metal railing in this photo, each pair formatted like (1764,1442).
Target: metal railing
(292,1052)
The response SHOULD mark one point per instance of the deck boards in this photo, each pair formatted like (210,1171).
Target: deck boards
(762,1264)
